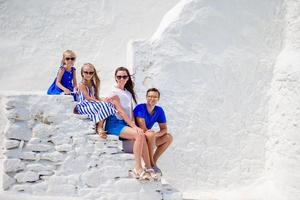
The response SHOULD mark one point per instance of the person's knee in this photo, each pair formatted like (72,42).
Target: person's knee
(150,135)
(140,137)
(169,138)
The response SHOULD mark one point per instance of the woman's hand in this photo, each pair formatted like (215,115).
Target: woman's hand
(67,91)
(108,99)
(138,130)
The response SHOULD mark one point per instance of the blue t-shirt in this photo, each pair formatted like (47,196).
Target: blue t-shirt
(158,115)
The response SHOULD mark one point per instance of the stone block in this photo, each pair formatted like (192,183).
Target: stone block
(45,173)
(28,176)
(37,167)
(13,165)
(10,144)
(54,156)
(35,140)
(28,155)
(60,139)
(7,181)
(19,114)
(63,147)
(40,147)
(19,131)
(13,153)
(43,131)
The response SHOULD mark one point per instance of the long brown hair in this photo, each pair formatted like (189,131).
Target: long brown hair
(95,79)
(67,52)
(129,84)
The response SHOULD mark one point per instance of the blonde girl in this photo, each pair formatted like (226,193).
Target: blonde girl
(65,82)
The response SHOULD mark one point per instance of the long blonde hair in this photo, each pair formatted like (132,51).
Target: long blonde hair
(65,54)
(95,79)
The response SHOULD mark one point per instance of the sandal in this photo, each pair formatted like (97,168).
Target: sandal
(152,173)
(102,133)
(141,176)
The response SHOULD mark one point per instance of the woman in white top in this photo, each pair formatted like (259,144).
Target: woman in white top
(116,125)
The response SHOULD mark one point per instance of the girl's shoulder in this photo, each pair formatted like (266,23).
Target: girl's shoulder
(82,84)
(62,68)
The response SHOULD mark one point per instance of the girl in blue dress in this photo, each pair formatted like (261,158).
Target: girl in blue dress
(65,82)
(91,105)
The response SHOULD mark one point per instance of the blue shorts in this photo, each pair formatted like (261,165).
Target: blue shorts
(115,126)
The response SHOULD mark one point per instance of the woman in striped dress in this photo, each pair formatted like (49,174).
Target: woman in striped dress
(89,102)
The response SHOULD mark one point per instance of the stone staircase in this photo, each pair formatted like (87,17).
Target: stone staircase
(51,151)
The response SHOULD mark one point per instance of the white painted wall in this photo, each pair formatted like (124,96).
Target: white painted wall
(283,144)
(34,34)
(213,61)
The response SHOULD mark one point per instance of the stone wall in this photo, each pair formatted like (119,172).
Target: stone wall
(49,150)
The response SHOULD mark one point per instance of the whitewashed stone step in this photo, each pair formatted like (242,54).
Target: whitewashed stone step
(13,165)
(10,144)
(29,176)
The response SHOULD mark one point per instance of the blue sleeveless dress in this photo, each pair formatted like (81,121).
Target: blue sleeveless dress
(66,81)
(96,111)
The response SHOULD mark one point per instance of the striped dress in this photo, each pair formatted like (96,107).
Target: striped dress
(96,111)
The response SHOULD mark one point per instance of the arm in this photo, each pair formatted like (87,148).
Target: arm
(97,95)
(85,93)
(75,80)
(163,129)
(58,81)
(116,101)
(141,123)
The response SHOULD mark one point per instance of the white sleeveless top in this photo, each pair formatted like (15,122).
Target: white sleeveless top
(125,100)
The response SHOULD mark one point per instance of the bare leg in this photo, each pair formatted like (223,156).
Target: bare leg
(146,155)
(150,143)
(130,133)
(100,124)
(162,144)
(100,131)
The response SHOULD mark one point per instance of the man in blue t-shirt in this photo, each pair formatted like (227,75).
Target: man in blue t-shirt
(146,115)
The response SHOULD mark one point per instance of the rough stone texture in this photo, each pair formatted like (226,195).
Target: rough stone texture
(13,165)
(19,131)
(28,176)
(66,157)
(10,144)
(7,181)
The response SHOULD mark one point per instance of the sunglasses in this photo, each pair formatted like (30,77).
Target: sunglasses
(121,77)
(73,58)
(89,73)
(152,97)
